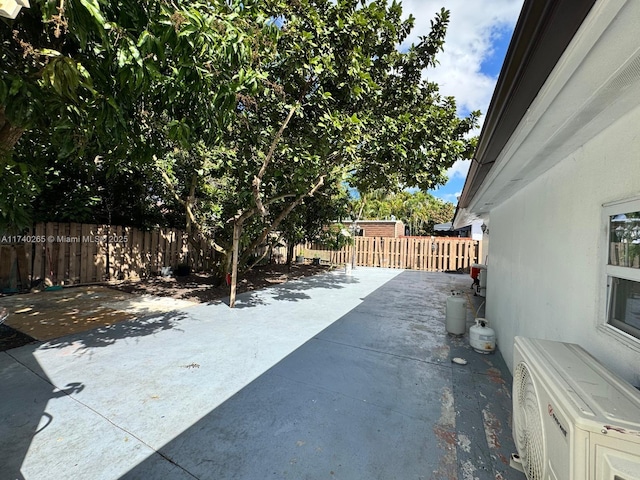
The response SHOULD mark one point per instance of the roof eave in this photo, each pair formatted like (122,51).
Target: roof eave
(543,31)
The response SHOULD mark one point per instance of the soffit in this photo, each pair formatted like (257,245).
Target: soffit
(596,80)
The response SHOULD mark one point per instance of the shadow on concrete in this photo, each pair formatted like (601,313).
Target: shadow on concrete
(374,395)
(23,410)
(292,291)
(109,334)
(246,300)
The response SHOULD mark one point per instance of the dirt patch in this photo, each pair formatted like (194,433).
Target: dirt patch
(52,314)
(203,288)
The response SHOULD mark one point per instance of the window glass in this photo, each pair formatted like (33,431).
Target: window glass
(624,240)
(623,265)
(624,311)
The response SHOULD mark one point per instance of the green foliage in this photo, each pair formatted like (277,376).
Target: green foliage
(18,192)
(124,81)
(336,236)
(309,220)
(211,115)
(418,210)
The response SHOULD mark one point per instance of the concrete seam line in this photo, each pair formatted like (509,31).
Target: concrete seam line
(47,380)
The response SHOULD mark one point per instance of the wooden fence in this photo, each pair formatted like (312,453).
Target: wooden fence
(73,253)
(624,254)
(434,254)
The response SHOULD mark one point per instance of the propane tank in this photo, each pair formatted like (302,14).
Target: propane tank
(481,337)
(456,317)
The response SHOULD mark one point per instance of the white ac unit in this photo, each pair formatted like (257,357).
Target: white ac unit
(572,418)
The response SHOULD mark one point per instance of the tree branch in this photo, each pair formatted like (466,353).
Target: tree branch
(9,135)
(169,183)
(257,180)
(258,241)
(189,211)
(248,213)
(266,251)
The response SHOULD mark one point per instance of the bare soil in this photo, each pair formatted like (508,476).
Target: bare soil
(47,316)
(204,288)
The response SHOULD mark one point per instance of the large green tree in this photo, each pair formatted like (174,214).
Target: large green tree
(339,100)
(229,114)
(123,82)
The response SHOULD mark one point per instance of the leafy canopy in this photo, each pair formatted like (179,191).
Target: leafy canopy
(223,116)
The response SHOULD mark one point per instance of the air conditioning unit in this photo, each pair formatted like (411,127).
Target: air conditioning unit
(572,418)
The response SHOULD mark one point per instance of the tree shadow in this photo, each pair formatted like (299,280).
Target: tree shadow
(293,290)
(12,338)
(284,421)
(104,336)
(26,391)
(246,300)
(211,289)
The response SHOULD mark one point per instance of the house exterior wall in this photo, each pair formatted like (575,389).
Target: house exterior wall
(548,246)
(382,228)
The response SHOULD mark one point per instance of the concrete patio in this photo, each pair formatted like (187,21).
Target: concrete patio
(328,377)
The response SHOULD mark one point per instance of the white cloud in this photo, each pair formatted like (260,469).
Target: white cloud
(459,169)
(473,25)
(447,197)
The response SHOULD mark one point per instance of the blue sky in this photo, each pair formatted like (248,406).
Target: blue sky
(477,40)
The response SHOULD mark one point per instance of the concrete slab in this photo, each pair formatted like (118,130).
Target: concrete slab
(157,376)
(404,318)
(47,433)
(326,377)
(279,428)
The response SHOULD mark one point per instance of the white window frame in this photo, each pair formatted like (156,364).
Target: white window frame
(609,271)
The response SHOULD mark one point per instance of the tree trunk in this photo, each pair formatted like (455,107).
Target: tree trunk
(290,247)
(237,231)
(265,232)
(9,135)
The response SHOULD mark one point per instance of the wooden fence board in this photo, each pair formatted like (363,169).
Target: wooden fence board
(137,255)
(79,253)
(72,253)
(48,247)
(23,267)
(5,266)
(72,273)
(13,261)
(101,253)
(424,253)
(61,252)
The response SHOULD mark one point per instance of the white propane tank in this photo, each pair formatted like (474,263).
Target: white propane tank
(456,317)
(481,337)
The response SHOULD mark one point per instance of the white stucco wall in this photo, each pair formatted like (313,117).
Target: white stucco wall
(547,244)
